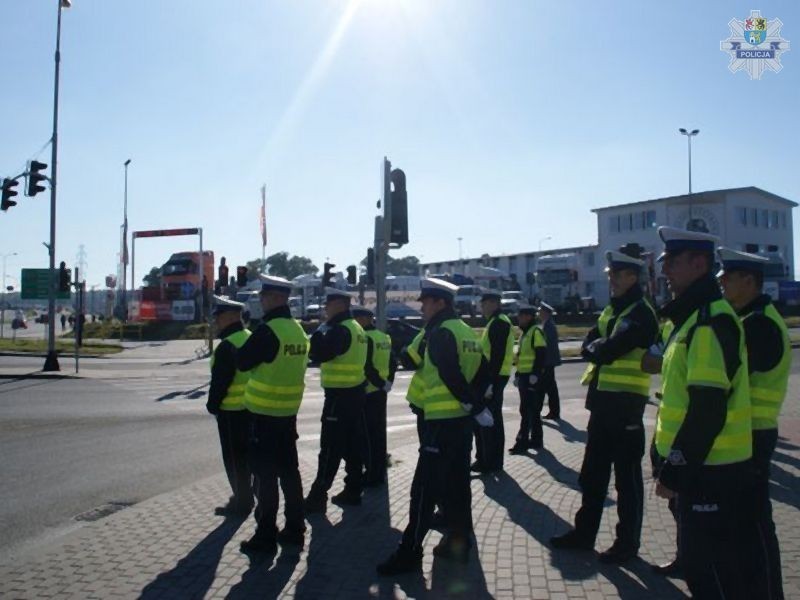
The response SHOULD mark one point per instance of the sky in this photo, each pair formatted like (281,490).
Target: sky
(511,119)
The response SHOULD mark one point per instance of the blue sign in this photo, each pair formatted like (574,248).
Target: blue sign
(187,289)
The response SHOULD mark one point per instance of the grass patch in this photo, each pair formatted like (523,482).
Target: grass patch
(62,346)
(143,332)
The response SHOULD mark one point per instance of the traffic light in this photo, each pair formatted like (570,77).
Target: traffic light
(399,209)
(327,274)
(222,276)
(370,266)
(35,178)
(241,277)
(351,275)
(64,276)
(8,193)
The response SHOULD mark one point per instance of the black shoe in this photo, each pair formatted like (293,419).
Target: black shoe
(618,554)
(291,537)
(315,503)
(452,550)
(232,510)
(552,417)
(347,498)
(571,540)
(402,561)
(438,521)
(670,569)
(477,467)
(260,545)
(518,448)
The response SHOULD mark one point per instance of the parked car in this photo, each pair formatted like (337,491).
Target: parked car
(467,299)
(252,305)
(313,311)
(401,333)
(510,302)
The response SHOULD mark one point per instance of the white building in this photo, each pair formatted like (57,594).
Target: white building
(748,219)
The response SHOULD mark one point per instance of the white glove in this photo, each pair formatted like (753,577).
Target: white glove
(488,393)
(387,387)
(467,407)
(484,418)
(532,379)
(592,348)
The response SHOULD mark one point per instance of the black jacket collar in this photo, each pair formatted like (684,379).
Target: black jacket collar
(703,291)
(759,304)
(279,312)
(231,329)
(632,295)
(443,315)
(342,316)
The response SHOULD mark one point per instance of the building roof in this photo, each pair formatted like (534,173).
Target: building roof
(710,195)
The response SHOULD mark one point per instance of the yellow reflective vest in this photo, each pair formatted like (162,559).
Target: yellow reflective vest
(347,370)
(416,388)
(624,374)
(381,355)
(276,388)
(508,356)
(526,354)
(234,397)
(438,402)
(701,362)
(768,389)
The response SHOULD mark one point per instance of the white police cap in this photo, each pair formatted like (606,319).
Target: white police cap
(679,240)
(270,283)
(733,260)
(361,311)
(225,304)
(619,260)
(547,307)
(431,287)
(332,293)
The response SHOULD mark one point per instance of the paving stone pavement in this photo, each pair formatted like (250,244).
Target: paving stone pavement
(171,546)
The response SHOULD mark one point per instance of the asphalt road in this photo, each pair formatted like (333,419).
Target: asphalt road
(74,445)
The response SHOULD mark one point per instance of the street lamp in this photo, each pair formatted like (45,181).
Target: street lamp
(689,135)
(544,239)
(51,362)
(3,309)
(124,311)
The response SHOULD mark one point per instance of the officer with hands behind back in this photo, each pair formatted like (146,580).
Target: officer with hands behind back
(531,363)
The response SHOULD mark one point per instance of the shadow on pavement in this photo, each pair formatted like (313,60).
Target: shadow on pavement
(266,577)
(783,486)
(570,433)
(786,459)
(194,573)
(785,444)
(635,579)
(558,471)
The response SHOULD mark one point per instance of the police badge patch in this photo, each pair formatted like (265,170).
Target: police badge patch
(755,45)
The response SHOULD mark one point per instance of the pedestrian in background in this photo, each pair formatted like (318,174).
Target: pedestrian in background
(549,384)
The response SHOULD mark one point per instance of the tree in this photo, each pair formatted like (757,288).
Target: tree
(153,278)
(408,265)
(282,265)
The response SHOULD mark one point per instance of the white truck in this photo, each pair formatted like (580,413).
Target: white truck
(557,278)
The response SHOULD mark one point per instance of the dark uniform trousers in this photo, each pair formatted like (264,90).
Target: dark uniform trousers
(715,517)
(549,387)
(342,437)
(616,440)
(442,477)
(273,455)
(491,441)
(375,428)
(765,577)
(530,411)
(234,434)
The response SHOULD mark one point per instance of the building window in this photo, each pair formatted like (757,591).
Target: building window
(638,220)
(588,259)
(625,222)
(774,220)
(650,219)
(772,248)
(753,217)
(765,218)
(783,219)
(613,223)
(752,248)
(741,216)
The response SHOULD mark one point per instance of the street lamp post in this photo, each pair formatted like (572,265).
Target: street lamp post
(544,239)
(51,362)
(124,311)
(3,309)
(689,135)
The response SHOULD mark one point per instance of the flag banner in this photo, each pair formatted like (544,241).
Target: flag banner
(263,216)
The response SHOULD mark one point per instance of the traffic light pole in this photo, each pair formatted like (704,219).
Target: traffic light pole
(51,362)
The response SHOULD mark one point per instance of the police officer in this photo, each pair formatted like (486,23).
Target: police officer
(530,361)
(340,345)
(226,402)
(451,364)
(617,396)
(498,349)
(549,384)
(275,356)
(379,370)
(769,360)
(703,430)
(411,357)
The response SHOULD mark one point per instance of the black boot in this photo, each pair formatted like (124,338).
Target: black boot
(259,544)
(571,540)
(402,561)
(618,553)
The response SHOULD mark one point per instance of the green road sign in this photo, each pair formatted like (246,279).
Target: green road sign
(36,285)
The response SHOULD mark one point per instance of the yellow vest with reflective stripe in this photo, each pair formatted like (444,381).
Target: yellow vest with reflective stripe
(381,355)
(526,356)
(768,389)
(234,397)
(276,388)
(347,370)
(416,388)
(703,363)
(438,402)
(508,357)
(624,374)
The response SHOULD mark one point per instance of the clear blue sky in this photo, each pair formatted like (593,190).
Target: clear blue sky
(512,120)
